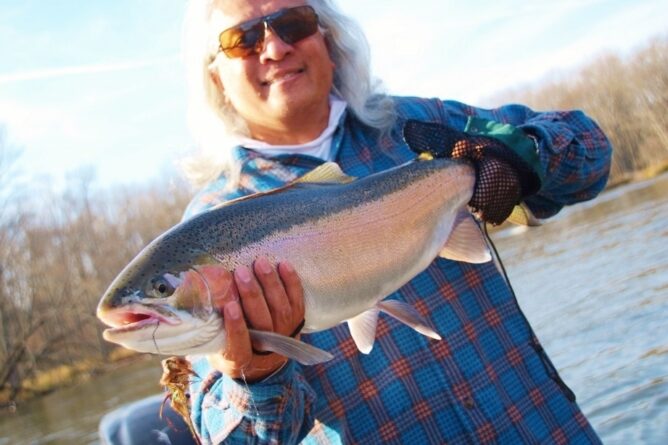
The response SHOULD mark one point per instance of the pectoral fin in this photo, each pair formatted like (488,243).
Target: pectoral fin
(466,242)
(363,329)
(408,315)
(289,347)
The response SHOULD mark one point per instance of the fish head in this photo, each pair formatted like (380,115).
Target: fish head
(161,304)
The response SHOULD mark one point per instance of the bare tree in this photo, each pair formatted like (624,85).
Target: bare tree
(627,96)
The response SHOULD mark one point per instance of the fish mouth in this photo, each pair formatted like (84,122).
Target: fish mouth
(157,330)
(134,318)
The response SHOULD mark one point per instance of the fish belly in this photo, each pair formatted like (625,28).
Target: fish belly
(350,261)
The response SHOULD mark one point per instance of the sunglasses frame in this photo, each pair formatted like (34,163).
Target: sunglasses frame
(267,22)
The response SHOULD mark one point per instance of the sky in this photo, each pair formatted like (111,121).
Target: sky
(97,86)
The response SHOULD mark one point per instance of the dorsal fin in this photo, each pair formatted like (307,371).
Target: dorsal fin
(251,196)
(329,172)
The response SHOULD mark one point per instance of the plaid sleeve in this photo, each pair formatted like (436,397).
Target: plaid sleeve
(277,410)
(574,154)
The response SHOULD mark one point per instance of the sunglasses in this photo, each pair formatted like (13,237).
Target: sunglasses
(290,24)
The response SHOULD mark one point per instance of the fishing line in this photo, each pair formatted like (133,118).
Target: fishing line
(497,257)
(154,340)
(250,394)
(550,369)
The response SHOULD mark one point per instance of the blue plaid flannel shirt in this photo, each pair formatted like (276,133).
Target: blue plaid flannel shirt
(487,381)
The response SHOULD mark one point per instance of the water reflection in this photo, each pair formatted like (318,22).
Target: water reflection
(71,416)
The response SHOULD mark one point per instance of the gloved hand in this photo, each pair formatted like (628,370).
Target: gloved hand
(503,178)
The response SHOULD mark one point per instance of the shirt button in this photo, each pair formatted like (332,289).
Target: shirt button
(469,403)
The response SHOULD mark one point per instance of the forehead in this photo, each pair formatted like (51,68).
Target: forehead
(227,13)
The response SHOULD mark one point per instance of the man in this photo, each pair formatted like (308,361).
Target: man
(277,88)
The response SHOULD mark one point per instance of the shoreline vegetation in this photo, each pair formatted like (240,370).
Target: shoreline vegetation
(59,251)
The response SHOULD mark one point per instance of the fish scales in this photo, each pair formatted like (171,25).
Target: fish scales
(351,243)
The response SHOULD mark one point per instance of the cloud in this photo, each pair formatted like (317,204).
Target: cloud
(50,73)
(467,52)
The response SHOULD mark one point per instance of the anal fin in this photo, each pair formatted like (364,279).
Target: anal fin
(363,329)
(409,316)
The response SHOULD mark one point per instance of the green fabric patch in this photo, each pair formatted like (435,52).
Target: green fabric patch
(514,138)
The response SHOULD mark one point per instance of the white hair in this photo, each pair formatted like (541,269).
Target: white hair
(216,125)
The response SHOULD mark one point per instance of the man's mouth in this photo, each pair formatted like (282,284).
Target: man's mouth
(282,76)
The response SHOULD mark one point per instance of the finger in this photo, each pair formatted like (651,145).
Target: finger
(252,300)
(238,345)
(220,284)
(275,296)
(293,289)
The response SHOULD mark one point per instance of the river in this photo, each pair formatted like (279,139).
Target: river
(593,282)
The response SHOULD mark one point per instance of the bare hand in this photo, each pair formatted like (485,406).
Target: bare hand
(263,298)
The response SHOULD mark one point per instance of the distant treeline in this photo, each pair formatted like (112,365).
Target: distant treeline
(59,251)
(627,96)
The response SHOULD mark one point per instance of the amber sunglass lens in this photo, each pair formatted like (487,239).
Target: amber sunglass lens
(291,25)
(241,41)
(295,24)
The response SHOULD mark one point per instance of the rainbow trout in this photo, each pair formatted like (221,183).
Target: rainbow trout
(352,241)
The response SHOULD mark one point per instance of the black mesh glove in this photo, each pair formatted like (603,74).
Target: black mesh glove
(502,176)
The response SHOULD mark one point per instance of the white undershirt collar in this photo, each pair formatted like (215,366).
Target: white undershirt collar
(320,147)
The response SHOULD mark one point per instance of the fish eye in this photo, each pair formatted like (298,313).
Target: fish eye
(161,287)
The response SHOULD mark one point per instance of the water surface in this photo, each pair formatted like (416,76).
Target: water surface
(594,284)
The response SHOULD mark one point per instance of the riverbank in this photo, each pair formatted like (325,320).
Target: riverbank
(650,172)
(63,376)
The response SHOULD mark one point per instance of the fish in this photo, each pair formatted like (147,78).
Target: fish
(352,241)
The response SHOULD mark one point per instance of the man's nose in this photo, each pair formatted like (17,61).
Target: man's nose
(273,47)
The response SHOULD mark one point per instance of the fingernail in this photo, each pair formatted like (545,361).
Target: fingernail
(232,311)
(264,266)
(287,267)
(243,274)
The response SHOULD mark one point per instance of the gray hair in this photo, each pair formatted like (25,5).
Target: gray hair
(215,124)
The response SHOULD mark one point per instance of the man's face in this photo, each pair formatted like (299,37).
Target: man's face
(282,81)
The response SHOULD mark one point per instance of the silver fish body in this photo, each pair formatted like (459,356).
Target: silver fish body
(353,243)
